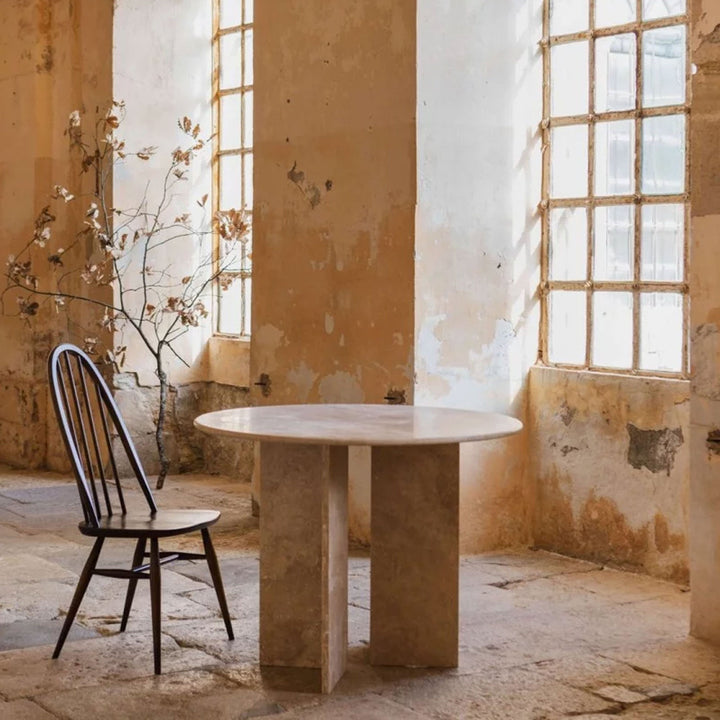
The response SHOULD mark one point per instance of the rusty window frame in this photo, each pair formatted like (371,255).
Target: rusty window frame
(589,286)
(243,275)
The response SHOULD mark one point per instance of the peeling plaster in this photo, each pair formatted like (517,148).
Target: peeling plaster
(429,344)
(706,27)
(653,449)
(341,387)
(308,189)
(329,323)
(303,378)
(267,340)
(706,355)
(496,354)
(567,414)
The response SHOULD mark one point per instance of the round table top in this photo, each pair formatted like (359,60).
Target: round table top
(358,424)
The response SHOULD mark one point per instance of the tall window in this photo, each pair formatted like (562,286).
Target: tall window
(233,155)
(615,185)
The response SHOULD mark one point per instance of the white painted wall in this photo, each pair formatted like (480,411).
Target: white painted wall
(479,105)
(161,82)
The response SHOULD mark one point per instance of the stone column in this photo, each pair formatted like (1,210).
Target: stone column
(704,518)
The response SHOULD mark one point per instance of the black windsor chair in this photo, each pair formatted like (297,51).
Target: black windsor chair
(89,417)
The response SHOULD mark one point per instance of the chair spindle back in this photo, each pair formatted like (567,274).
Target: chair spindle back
(89,418)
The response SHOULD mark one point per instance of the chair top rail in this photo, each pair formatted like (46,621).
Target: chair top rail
(87,425)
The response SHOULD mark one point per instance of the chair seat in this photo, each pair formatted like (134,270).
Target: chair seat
(164,523)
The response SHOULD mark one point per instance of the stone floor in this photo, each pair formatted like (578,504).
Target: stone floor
(541,636)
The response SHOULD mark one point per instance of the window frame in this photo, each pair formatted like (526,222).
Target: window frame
(590,201)
(244,275)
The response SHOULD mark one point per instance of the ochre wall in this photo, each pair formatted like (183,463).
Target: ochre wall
(334,212)
(54,59)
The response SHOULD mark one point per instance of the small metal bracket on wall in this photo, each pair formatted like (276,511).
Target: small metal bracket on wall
(265,382)
(395,396)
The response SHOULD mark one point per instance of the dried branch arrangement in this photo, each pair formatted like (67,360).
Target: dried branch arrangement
(125,251)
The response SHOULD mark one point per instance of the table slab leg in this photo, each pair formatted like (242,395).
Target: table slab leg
(303,564)
(414,555)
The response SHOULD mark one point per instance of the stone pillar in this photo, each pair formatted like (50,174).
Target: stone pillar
(704,522)
(334,213)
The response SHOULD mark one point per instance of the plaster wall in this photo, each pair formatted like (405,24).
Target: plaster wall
(479,105)
(705,321)
(334,189)
(161,82)
(611,455)
(52,61)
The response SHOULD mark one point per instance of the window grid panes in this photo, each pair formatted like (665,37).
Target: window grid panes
(233,156)
(615,186)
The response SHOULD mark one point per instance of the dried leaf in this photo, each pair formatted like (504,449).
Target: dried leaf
(232,224)
(147,152)
(60,192)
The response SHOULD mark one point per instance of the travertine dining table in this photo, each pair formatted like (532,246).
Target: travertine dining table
(304,530)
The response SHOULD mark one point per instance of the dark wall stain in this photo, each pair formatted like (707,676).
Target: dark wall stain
(47,60)
(601,533)
(664,539)
(653,449)
(566,449)
(567,413)
(714,36)
(713,442)
(296,176)
(308,189)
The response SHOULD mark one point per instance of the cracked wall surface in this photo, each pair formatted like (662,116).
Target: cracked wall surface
(611,455)
(477,242)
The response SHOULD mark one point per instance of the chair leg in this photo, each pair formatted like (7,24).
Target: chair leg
(83,582)
(132,584)
(214,567)
(155,600)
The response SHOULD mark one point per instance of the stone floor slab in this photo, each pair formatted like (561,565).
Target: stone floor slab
(24,710)
(540,634)
(30,633)
(173,696)
(89,663)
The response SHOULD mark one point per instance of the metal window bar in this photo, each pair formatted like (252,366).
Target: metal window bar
(242,275)
(638,199)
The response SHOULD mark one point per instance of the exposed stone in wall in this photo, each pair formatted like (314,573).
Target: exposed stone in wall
(653,449)
(188,449)
(223,455)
